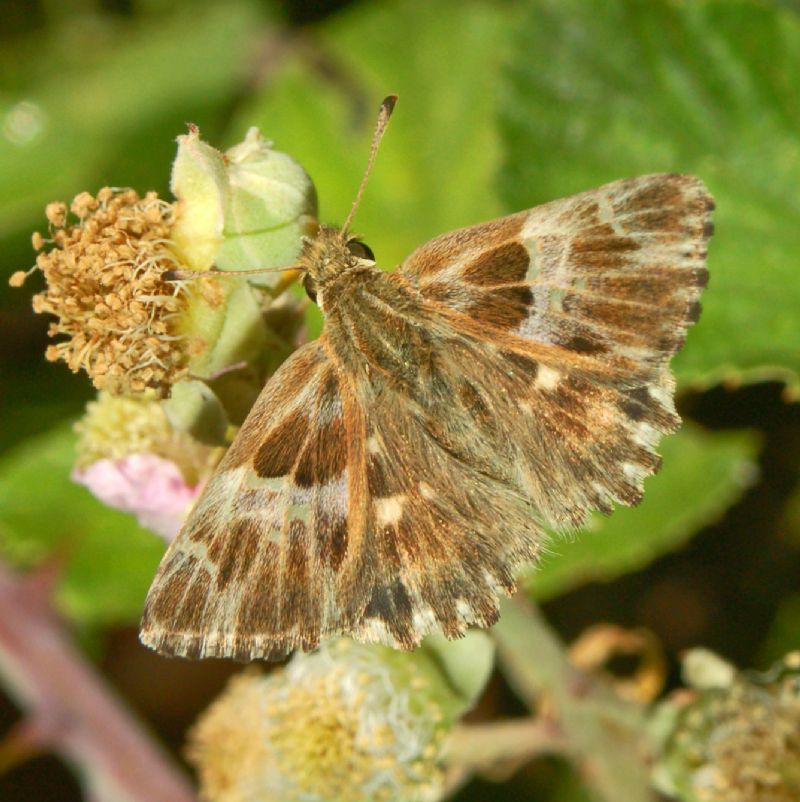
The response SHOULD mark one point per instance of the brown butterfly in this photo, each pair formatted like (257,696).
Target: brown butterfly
(396,472)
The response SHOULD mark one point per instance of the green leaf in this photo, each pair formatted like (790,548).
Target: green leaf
(109,560)
(784,632)
(436,165)
(702,475)
(103,94)
(598,91)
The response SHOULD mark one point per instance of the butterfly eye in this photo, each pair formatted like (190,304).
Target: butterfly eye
(360,249)
(310,287)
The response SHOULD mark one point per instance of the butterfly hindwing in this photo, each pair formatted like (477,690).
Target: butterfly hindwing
(443,553)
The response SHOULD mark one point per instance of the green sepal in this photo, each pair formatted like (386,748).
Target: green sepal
(193,407)
(467,664)
(270,205)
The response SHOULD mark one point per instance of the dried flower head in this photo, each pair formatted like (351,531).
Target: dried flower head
(105,286)
(740,741)
(349,723)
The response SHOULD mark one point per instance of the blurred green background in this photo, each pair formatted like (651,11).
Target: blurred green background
(503,105)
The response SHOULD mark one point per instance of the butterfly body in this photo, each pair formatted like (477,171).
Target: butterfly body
(394,474)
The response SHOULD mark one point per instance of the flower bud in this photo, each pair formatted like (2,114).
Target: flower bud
(242,210)
(245,209)
(271,205)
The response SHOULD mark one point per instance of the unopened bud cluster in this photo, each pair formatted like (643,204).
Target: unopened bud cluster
(736,736)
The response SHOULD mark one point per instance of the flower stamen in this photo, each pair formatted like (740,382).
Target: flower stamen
(106,287)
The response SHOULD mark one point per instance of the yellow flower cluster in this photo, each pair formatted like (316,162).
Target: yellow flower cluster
(114,427)
(350,723)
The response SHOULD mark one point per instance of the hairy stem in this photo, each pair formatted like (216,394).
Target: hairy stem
(606,735)
(484,747)
(68,707)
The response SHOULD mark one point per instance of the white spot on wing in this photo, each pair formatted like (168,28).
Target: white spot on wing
(556,299)
(645,435)
(424,620)
(426,491)
(464,610)
(389,511)
(299,512)
(607,214)
(256,482)
(534,268)
(547,378)
(663,394)
(634,472)
(374,630)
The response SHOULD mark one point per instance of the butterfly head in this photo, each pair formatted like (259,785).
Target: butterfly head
(329,254)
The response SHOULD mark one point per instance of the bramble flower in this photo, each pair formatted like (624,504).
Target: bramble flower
(179,358)
(133,459)
(114,427)
(736,737)
(349,723)
(150,487)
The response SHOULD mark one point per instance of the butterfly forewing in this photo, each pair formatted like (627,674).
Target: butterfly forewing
(256,569)
(395,474)
(615,271)
(588,297)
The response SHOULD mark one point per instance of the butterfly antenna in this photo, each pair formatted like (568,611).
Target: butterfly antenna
(384,113)
(188,275)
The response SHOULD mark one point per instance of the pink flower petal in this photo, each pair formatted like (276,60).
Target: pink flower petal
(149,486)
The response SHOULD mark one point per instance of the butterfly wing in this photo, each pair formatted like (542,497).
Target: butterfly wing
(616,270)
(308,530)
(260,565)
(582,301)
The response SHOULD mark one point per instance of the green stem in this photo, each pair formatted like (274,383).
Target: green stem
(606,735)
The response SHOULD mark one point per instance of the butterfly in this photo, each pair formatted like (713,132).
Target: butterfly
(395,473)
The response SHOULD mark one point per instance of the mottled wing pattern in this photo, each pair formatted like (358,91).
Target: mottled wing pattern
(394,475)
(259,567)
(449,521)
(582,302)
